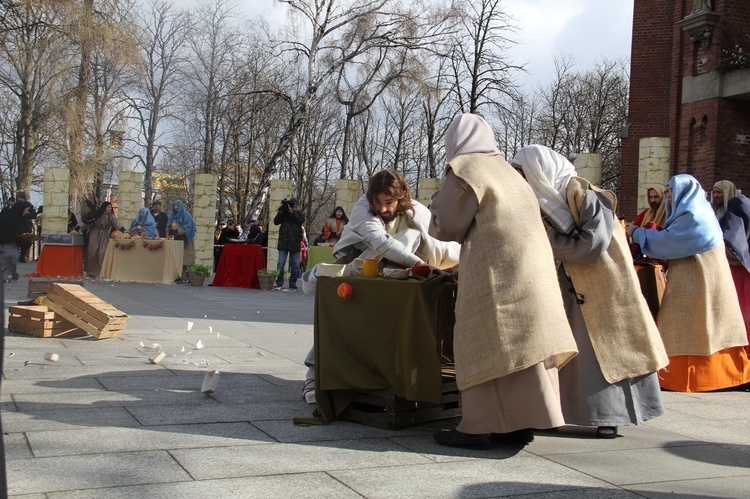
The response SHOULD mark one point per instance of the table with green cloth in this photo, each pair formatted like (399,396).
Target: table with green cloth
(384,336)
(319,254)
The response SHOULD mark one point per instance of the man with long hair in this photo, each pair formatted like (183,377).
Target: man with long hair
(388,225)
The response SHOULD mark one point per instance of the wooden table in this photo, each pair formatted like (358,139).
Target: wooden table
(239,265)
(145,261)
(391,334)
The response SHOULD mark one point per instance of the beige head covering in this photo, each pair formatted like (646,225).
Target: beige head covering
(730,191)
(548,174)
(659,217)
(469,134)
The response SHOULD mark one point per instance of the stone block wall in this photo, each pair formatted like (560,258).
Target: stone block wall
(55,200)
(347,194)
(653,168)
(204,215)
(280,189)
(130,197)
(426,187)
(589,166)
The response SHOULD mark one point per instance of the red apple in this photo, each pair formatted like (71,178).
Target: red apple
(344,291)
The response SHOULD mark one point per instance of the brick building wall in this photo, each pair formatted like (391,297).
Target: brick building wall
(709,136)
(650,86)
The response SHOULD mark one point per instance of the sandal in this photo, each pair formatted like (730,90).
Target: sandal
(606,432)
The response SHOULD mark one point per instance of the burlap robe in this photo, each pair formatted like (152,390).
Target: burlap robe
(509,312)
(625,338)
(700,313)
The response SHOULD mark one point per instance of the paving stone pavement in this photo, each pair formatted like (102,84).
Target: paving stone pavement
(104,422)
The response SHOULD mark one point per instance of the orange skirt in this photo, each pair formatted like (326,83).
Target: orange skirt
(691,373)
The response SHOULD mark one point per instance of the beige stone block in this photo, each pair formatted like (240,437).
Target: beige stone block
(56,199)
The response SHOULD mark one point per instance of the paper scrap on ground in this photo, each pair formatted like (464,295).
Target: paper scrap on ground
(52,357)
(199,345)
(210,382)
(190,325)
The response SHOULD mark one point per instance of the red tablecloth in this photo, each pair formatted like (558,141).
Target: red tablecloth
(239,266)
(60,261)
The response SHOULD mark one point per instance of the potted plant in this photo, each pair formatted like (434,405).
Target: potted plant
(266,278)
(197,274)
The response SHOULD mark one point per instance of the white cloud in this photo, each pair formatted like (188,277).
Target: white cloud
(585,29)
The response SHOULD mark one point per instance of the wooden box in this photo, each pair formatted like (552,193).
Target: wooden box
(39,321)
(382,409)
(39,287)
(86,310)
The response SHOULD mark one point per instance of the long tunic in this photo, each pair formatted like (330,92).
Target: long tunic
(702,326)
(510,334)
(98,239)
(588,399)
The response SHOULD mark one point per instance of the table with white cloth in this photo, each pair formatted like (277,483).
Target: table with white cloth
(143,260)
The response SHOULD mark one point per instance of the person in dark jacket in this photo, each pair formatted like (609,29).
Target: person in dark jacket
(24,245)
(12,224)
(290,235)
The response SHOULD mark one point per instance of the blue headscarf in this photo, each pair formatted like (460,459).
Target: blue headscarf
(145,219)
(691,226)
(736,227)
(184,220)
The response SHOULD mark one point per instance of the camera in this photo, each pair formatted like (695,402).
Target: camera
(285,202)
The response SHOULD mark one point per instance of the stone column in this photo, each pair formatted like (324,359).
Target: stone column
(426,187)
(280,189)
(589,166)
(347,194)
(653,166)
(204,215)
(55,200)
(130,197)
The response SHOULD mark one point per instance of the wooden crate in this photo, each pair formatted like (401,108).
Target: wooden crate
(382,409)
(86,310)
(39,321)
(39,287)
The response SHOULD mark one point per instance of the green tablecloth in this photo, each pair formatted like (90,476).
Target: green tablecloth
(319,254)
(384,336)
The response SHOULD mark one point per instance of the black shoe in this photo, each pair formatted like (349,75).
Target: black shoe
(454,438)
(606,432)
(292,287)
(518,437)
(22,260)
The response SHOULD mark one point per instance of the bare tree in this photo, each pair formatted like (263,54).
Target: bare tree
(213,38)
(437,111)
(340,33)
(113,58)
(584,111)
(162,37)
(32,61)
(482,69)
(517,124)
(359,87)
